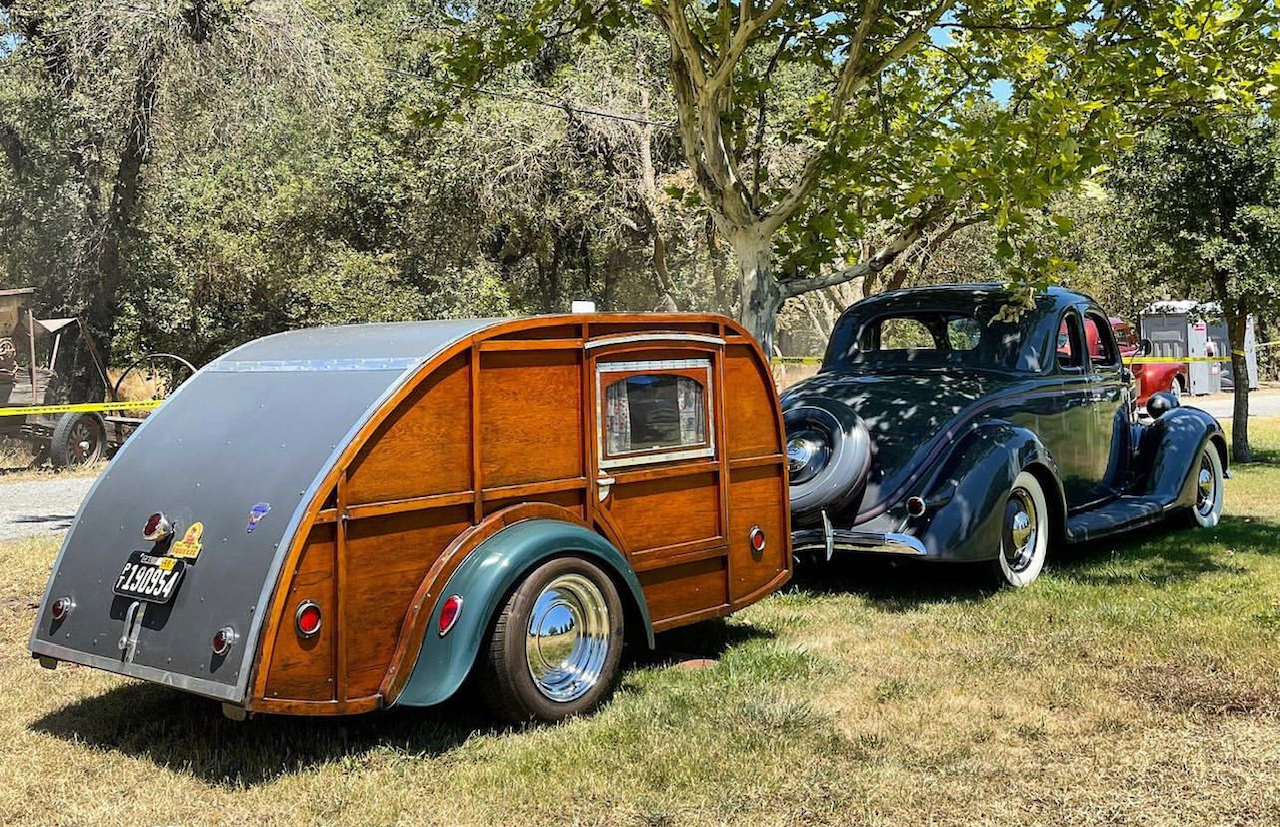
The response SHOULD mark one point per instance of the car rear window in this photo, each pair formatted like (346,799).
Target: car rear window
(925,338)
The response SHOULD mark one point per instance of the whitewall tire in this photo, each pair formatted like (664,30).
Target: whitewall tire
(1207,510)
(1024,533)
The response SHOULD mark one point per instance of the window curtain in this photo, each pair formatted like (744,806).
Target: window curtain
(618,418)
(692,422)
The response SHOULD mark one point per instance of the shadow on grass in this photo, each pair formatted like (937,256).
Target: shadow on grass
(1161,554)
(185,733)
(188,734)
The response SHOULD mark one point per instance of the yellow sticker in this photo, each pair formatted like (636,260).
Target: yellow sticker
(167,563)
(189,546)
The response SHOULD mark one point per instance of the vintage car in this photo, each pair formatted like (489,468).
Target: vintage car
(334,520)
(1149,377)
(937,431)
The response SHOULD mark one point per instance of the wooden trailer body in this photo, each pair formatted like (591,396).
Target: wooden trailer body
(428,469)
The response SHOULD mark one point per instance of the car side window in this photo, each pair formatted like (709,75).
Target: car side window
(654,411)
(1070,343)
(1102,350)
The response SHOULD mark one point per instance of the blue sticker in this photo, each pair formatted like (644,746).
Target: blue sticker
(256,514)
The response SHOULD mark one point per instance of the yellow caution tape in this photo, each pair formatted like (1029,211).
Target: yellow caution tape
(796,360)
(89,407)
(1166,360)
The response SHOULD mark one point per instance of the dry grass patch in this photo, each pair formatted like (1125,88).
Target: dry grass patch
(1135,683)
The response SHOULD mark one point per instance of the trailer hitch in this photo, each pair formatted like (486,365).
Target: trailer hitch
(128,642)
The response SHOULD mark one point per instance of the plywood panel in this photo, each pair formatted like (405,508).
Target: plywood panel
(302,669)
(756,498)
(387,558)
(748,395)
(684,589)
(424,447)
(530,417)
(664,512)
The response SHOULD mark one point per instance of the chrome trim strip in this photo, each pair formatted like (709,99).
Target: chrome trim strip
(653,364)
(628,338)
(313,365)
(200,686)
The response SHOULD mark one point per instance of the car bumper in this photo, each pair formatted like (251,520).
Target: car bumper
(827,541)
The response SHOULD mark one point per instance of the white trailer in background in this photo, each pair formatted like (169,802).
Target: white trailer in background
(1186,329)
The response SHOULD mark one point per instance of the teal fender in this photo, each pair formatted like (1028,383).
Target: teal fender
(485,579)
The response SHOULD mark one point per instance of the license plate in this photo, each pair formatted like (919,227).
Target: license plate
(150,577)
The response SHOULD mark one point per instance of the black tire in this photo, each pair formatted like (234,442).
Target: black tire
(78,439)
(844,475)
(583,594)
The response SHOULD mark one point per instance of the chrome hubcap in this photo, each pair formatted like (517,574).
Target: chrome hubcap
(1020,530)
(567,641)
(807,454)
(1206,489)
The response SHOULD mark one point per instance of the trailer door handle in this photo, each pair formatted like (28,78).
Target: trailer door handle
(604,485)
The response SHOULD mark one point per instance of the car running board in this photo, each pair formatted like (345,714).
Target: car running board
(1118,515)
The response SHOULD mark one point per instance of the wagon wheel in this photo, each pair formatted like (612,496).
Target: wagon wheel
(555,646)
(151,358)
(78,439)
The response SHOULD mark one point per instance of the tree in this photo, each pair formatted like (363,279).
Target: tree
(918,117)
(1203,204)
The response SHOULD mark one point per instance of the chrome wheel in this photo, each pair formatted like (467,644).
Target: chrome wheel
(1024,532)
(1207,510)
(567,640)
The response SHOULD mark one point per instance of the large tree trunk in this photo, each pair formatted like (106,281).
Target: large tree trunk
(760,297)
(1236,324)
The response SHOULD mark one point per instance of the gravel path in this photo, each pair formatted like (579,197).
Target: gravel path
(39,506)
(1264,402)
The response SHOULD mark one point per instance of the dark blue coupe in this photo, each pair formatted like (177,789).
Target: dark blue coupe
(936,430)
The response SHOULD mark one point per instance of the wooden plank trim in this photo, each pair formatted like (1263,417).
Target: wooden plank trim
(753,462)
(328,515)
(339,588)
(674,555)
(692,617)
(385,507)
(477,503)
(352,706)
(533,489)
(530,344)
(683,469)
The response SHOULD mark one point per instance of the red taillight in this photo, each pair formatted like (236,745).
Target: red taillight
(916,506)
(223,640)
(157,528)
(308,618)
(757,539)
(61,607)
(449,613)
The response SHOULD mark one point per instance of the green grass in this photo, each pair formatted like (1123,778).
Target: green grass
(1137,682)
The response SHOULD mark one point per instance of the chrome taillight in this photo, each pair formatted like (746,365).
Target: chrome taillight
(61,607)
(757,539)
(157,528)
(308,618)
(223,640)
(449,614)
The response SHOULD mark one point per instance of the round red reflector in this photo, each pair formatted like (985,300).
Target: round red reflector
(61,607)
(223,639)
(157,528)
(308,618)
(915,506)
(757,539)
(449,613)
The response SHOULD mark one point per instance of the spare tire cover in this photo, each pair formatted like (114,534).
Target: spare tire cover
(828,455)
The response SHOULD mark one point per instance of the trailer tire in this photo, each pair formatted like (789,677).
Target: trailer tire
(555,645)
(78,439)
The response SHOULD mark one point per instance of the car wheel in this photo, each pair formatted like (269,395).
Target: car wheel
(78,439)
(1175,388)
(828,455)
(555,645)
(1024,533)
(1207,510)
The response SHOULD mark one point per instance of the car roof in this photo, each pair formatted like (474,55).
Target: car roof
(955,296)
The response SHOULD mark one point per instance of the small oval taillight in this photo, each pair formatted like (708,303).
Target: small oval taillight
(157,528)
(449,613)
(61,607)
(308,618)
(757,539)
(223,640)
(916,506)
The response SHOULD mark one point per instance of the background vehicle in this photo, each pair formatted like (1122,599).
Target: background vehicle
(382,508)
(34,358)
(934,431)
(1186,328)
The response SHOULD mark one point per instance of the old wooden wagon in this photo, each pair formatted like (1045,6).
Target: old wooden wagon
(334,520)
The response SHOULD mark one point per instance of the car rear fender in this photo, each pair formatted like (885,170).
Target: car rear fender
(485,579)
(1170,449)
(967,526)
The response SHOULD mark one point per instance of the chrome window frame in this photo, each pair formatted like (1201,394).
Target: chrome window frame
(654,366)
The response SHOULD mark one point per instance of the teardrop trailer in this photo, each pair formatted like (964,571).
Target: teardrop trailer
(334,520)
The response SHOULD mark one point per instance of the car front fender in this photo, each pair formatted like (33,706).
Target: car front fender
(1169,451)
(485,579)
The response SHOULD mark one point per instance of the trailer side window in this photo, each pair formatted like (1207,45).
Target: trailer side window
(652,414)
